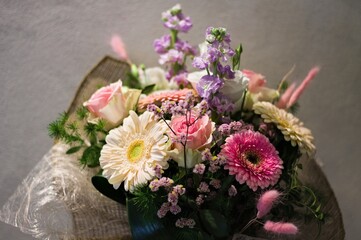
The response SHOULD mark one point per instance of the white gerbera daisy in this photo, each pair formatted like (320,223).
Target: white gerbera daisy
(133,150)
(290,126)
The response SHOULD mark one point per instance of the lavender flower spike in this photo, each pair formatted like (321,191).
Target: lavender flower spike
(208,85)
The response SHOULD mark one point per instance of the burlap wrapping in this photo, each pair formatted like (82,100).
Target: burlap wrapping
(58,201)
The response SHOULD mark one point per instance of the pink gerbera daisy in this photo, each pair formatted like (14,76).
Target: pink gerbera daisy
(252,159)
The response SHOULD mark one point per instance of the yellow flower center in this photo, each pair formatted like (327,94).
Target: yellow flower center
(135,151)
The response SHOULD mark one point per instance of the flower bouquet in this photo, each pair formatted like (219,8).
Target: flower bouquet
(211,153)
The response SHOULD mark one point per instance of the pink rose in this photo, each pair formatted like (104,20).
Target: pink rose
(256,81)
(111,104)
(199,133)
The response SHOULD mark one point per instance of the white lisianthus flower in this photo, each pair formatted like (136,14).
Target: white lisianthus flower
(155,76)
(232,88)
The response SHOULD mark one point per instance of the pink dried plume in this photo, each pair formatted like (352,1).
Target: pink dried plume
(266,202)
(119,47)
(290,96)
(281,227)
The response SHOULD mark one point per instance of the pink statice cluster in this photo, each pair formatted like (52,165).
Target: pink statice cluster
(171,205)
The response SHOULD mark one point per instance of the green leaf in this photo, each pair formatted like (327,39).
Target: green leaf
(215,223)
(145,227)
(107,189)
(82,113)
(236,59)
(91,156)
(73,150)
(148,89)
(132,78)
(187,233)
(93,139)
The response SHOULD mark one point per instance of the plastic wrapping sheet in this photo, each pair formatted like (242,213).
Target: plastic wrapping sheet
(58,201)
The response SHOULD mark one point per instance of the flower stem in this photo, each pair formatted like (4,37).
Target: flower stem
(243,100)
(248,224)
(173,34)
(169,126)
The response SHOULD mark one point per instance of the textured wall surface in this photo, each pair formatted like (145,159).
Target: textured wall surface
(46,47)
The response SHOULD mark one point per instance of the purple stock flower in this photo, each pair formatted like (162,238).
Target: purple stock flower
(185,47)
(200,63)
(172,56)
(225,71)
(175,20)
(184,25)
(213,53)
(162,44)
(221,103)
(181,79)
(208,85)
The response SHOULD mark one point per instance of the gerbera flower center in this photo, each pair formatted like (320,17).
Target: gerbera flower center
(135,150)
(252,157)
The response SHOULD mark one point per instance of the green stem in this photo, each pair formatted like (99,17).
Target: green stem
(169,127)
(243,100)
(173,34)
(208,71)
(215,69)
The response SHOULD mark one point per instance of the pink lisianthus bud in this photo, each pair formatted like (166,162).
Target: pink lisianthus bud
(256,81)
(119,47)
(297,93)
(281,227)
(266,202)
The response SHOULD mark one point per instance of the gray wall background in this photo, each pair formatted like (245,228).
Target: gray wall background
(46,47)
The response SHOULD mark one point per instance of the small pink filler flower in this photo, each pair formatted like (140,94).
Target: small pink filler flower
(253,159)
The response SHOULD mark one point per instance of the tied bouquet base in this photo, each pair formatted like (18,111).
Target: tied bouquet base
(58,201)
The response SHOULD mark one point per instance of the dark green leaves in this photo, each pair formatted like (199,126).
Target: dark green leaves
(91,156)
(148,89)
(215,223)
(132,78)
(105,188)
(82,113)
(61,130)
(236,59)
(73,150)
